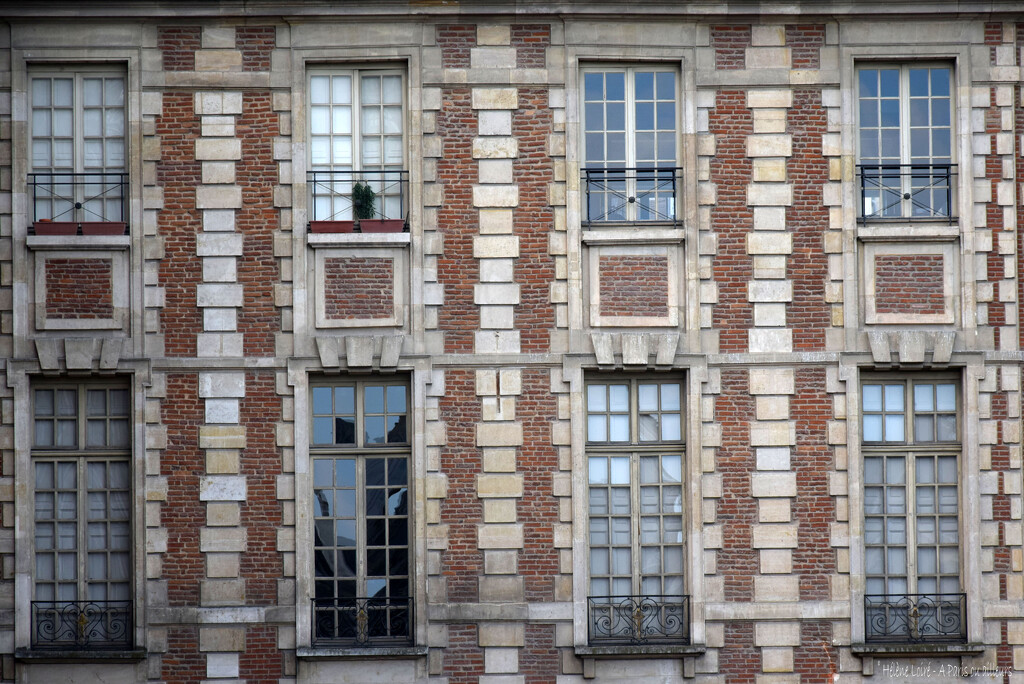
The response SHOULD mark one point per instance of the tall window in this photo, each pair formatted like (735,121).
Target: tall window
(78,146)
(905,140)
(630,144)
(83,516)
(356,136)
(360,456)
(635,448)
(911,448)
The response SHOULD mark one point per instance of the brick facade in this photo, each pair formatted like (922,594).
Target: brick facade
(768,297)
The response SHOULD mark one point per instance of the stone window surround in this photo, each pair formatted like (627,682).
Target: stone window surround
(958,54)
(852,368)
(20,379)
(23,60)
(114,249)
(320,45)
(693,372)
(948,249)
(580,242)
(301,375)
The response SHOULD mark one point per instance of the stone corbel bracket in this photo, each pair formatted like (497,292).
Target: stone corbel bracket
(87,354)
(910,348)
(635,350)
(360,353)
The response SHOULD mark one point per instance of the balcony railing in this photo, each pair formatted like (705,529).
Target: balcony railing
(915,618)
(92,202)
(81,625)
(631,195)
(377,621)
(333,199)
(648,619)
(906,191)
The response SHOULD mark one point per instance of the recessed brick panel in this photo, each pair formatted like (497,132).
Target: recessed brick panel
(909,284)
(255,43)
(805,42)
(179,45)
(359,287)
(730,44)
(79,289)
(530,41)
(455,40)
(634,285)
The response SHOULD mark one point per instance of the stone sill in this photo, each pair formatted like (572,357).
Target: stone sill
(77,242)
(634,235)
(905,231)
(357,239)
(29,655)
(924,649)
(361,653)
(641,651)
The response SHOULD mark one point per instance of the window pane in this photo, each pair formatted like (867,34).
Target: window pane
(596,398)
(894,428)
(619,428)
(872,397)
(619,470)
(596,428)
(619,398)
(598,470)
(872,428)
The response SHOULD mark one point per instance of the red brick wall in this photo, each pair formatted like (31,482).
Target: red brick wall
(539,661)
(359,287)
(262,662)
(738,562)
(909,284)
(537,460)
(457,269)
(816,660)
(260,462)
(179,45)
(79,289)
(806,219)
(993,38)
(182,663)
(633,285)
(257,175)
(531,42)
(178,174)
(182,462)
(994,219)
(455,41)
(730,43)
(533,219)
(463,658)
(461,510)
(805,42)
(255,43)
(731,219)
(739,660)
(1018,123)
(813,508)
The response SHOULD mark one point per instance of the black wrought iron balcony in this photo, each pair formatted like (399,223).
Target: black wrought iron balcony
(369,200)
(631,195)
(906,191)
(92,203)
(82,625)
(653,619)
(364,622)
(915,618)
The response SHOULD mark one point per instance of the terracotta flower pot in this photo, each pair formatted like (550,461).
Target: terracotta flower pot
(381,225)
(55,227)
(332,226)
(103,227)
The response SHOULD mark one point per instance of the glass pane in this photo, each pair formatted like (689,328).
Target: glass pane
(650,530)
(619,398)
(873,561)
(396,399)
(620,500)
(319,120)
(894,428)
(926,530)
(947,469)
(647,397)
(622,531)
(949,561)
(897,560)
(598,501)
(670,397)
(375,431)
(946,429)
(925,500)
(923,398)
(895,501)
(896,530)
(873,500)
(945,397)
(598,468)
(895,471)
(926,561)
(599,531)
(924,428)
(649,502)
(596,428)
(894,397)
(621,563)
(44,476)
(619,470)
(671,429)
(345,503)
(650,560)
(322,432)
(873,471)
(672,468)
(873,531)
(618,428)
(318,89)
(63,92)
(649,472)
(596,398)
(872,428)
(599,561)
(370,90)
(949,530)
(341,120)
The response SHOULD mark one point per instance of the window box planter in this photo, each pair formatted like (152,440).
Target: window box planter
(55,227)
(332,226)
(103,227)
(381,225)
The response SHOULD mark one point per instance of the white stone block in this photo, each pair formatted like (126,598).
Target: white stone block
(770,194)
(501,660)
(492,57)
(218,220)
(495,246)
(220,319)
(219,244)
(218,197)
(773,484)
(769,145)
(772,458)
(495,171)
(220,269)
(770,340)
(221,410)
(767,35)
(493,35)
(495,122)
(222,384)
(214,149)
(495,98)
(219,294)
(777,98)
(222,488)
(497,270)
(496,293)
(770,291)
(769,242)
(221,665)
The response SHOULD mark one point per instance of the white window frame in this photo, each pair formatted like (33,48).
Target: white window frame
(880,171)
(332,181)
(622,185)
(891,610)
(365,610)
(53,626)
(617,612)
(103,183)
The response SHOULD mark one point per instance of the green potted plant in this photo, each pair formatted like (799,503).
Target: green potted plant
(363,198)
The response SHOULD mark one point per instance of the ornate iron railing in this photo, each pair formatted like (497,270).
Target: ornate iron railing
(915,618)
(631,195)
(100,625)
(362,621)
(332,194)
(902,191)
(661,619)
(91,197)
